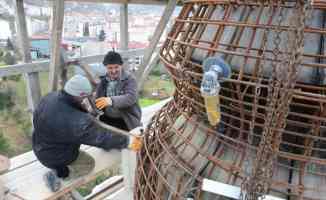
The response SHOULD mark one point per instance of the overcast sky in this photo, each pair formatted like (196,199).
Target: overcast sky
(5,32)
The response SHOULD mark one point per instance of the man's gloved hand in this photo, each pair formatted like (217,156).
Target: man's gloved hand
(135,143)
(136,140)
(103,102)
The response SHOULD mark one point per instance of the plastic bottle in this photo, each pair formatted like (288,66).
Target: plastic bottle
(210,88)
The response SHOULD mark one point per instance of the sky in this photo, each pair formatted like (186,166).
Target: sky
(5,32)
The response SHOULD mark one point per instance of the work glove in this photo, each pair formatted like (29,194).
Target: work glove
(135,139)
(103,102)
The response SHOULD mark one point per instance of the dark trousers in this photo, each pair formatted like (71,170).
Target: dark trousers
(116,122)
(62,171)
(117,141)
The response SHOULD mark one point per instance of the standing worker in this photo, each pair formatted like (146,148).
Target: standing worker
(117,95)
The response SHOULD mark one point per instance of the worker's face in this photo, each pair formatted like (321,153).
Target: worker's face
(114,70)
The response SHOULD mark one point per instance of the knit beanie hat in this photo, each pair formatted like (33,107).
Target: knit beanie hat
(78,86)
(112,57)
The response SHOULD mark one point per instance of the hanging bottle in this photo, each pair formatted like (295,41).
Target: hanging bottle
(210,89)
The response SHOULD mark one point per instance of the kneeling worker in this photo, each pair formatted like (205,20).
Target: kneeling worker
(61,125)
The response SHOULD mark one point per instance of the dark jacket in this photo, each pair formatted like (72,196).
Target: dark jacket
(126,103)
(61,126)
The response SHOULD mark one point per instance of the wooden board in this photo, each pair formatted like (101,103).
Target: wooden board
(56,36)
(168,11)
(108,187)
(27,182)
(32,79)
(40,66)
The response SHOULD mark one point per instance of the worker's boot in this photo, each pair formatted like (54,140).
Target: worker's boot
(83,165)
(52,181)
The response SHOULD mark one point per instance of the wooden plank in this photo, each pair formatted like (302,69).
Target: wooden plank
(56,35)
(63,67)
(40,66)
(6,17)
(156,38)
(33,90)
(24,68)
(148,2)
(27,158)
(118,195)
(88,74)
(32,79)
(22,160)
(128,165)
(20,180)
(148,69)
(124,34)
(106,188)
(39,3)
(22,31)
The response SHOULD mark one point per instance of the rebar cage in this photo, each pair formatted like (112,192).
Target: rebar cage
(273,132)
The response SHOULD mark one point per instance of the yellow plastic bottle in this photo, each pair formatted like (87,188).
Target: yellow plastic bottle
(210,89)
(212,105)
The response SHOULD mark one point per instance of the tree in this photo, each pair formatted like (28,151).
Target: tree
(7,96)
(9,59)
(9,45)
(86,29)
(4,144)
(102,36)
